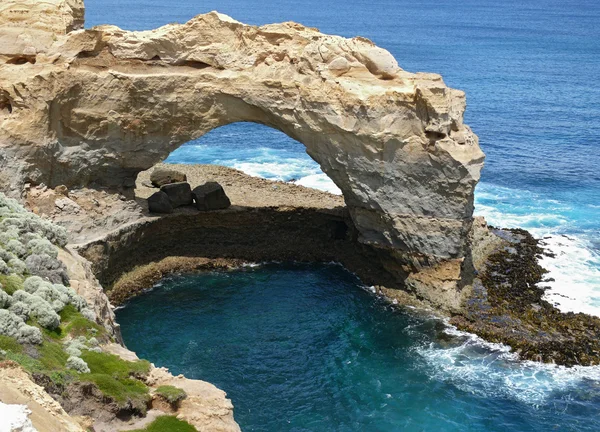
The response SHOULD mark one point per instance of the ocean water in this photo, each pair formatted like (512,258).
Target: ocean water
(308,348)
(530,69)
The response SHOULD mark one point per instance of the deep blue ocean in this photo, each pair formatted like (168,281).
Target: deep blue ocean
(531,72)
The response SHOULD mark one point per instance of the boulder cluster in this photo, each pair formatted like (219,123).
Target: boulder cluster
(175,192)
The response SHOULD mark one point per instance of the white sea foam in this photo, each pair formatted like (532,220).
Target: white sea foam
(491,370)
(576,265)
(575,269)
(15,418)
(321,182)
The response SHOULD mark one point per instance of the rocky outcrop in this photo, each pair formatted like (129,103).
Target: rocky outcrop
(46,414)
(103,104)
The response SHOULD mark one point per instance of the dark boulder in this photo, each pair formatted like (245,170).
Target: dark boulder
(210,196)
(159,203)
(163,176)
(180,194)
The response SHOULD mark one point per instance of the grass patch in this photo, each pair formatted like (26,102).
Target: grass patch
(28,363)
(113,376)
(80,326)
(109,364)
(11,283)
(121,390)
(10,344)
(168,424)
(68,313)
(52,356)
(171,394)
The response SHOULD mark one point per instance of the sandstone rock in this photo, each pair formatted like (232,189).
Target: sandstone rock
(28,27)
(210,196)
(180,194)
(339,66)
(161,177)
(394,142)
(159,202)
(16,387)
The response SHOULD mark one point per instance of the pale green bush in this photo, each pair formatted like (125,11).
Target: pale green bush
(47,267)
(30,223)
(88,314)
(6,255)
(78,343)
(17,266)
(51,294)
(77,364)
(5,299)
(42,247)
(20,309)
(16,247)
(9,323)
(44,313)
(29,334)
(40,309)
(33,283)
(9,233)
(72,351)
(79,303)
(4,267)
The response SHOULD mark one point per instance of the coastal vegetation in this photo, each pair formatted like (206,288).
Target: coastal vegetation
(46,327)
(171,394)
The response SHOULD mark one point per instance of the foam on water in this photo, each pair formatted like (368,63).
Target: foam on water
(492,370)
(567,230)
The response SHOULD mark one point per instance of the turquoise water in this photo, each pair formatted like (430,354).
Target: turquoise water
(530,70)
(308,348)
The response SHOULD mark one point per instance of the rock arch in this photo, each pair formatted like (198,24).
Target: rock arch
(101,105)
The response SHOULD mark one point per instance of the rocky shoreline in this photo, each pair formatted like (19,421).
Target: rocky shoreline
(508,306)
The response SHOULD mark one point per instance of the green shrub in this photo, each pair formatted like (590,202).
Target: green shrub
(171,394)
(168,424)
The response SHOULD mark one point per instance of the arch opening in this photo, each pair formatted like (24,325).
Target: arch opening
(256,150)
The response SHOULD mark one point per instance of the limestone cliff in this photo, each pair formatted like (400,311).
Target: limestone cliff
(101,105)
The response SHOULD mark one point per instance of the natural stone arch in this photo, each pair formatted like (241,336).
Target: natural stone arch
(101,105)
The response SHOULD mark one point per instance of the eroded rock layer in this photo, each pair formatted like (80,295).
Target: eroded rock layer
(98,106)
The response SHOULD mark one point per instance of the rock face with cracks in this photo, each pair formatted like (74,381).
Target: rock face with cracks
(100,105)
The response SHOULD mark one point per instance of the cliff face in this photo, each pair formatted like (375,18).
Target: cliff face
(101,105)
